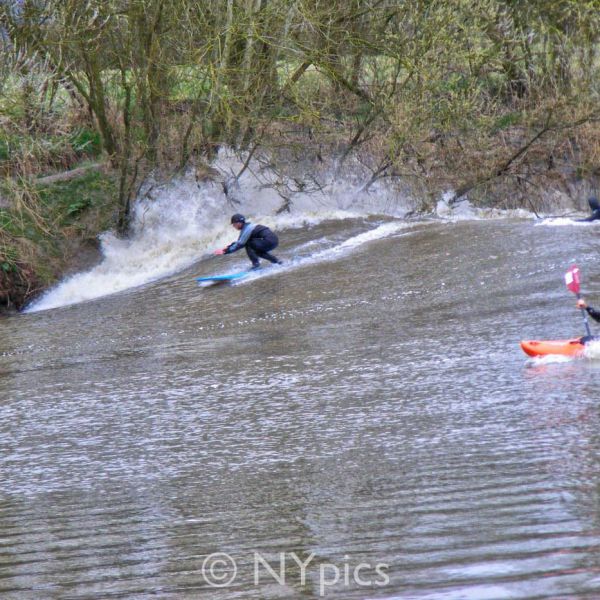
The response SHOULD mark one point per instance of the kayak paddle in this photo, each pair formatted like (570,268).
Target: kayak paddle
(573,283)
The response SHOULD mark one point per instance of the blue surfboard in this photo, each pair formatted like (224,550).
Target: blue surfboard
(223,278)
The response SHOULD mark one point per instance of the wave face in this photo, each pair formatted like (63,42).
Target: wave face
(177,224)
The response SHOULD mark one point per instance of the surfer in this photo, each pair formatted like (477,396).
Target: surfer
(595,208)
(258,240)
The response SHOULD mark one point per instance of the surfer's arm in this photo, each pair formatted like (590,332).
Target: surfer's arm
(231,248)
(241,241)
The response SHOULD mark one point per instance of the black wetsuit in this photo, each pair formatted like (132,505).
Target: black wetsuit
(594,313)
(595,208)
(258,240)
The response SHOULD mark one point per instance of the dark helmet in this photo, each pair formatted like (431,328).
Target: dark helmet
(593,202)
(237,218)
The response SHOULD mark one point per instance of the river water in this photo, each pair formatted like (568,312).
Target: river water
(364,410)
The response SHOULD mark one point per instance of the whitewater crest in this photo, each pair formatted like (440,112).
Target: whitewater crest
(465,211)
(180,222)
(566,222)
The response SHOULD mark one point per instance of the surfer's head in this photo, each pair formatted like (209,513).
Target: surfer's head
(593,202)
(238,221)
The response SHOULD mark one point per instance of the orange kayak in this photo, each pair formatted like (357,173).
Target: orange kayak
(573,347)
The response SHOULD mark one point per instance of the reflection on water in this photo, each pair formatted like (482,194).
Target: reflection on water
(372,409)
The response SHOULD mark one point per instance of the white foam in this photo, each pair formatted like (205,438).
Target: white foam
(332,253)
(565,222)
(592,350)
(378,233)
(465,211)
(549,359)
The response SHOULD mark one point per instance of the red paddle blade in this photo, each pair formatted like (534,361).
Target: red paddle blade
(572,279)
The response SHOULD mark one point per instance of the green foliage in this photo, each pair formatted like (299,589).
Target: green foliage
(4,149)
(506,121)
(8,259)
(7,222)
(86,142)
(64,201)
(189,83)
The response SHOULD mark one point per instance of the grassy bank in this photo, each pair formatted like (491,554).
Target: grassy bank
(53,199)
(48,230)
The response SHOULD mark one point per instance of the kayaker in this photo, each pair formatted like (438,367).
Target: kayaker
(593,312)
(595,208)
(258,240)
